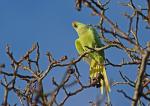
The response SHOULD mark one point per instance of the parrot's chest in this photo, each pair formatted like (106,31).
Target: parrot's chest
(87,41)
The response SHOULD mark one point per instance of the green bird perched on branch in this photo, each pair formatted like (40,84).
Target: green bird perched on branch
(88,38)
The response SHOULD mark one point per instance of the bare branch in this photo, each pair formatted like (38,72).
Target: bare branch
(138,86)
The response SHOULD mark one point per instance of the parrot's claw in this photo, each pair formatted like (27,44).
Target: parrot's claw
(95,82)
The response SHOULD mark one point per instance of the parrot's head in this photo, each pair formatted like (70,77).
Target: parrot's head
(80,27)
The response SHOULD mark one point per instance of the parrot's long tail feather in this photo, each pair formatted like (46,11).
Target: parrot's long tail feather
(96,69)
(107,86)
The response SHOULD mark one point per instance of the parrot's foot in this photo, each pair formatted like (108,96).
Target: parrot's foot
(95,82)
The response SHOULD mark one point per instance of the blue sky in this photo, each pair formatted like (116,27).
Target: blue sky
(24,22)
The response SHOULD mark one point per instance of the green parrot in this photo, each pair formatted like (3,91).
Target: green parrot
(88,37)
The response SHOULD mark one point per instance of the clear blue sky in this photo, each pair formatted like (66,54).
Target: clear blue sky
(48,22)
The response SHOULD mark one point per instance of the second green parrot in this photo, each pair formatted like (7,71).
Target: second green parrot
(88,37)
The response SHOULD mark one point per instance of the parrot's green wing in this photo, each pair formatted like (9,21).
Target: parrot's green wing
(81,51)
(79,46)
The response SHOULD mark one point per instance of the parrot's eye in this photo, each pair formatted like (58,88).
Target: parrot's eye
(75,25)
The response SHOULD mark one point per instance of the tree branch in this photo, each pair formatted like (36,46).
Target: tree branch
(138,85)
